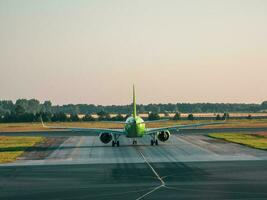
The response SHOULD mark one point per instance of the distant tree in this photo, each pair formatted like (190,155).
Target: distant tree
(190,117)
(19,110)
(264,105)
(33,106)
(3,111)
(74,118)
(249,117)
(225,116)
(6,107)
(218,117)
(107,117)
(118,117)
(141,108)
(166,114)
(2,117)
(26,117)
(59,117)
(88,118)
(10,117)
(153,108)
(153,116)
(46,116)
(158,109)
(104,117)
(175,108)
(102,113)
(197,109)
(177,116)
(47,107)
(127,116)
(23,103)
(12,112)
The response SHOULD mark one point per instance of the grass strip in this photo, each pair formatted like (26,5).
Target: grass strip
(251,140)
(12,147)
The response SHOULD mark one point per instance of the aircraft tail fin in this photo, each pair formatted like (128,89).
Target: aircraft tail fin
(134,103)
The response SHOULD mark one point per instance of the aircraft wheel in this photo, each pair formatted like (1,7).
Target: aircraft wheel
(113,143)
(156,142)
(118,143)
(152,142)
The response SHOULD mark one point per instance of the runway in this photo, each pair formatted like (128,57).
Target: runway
(180,148)
(186,167)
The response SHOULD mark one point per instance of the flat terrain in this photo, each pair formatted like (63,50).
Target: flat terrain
(186,167)
(21,127)
(12,147)
(197,180)
(258,141)
(182,148)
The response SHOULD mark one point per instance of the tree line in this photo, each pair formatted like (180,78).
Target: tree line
(24,110)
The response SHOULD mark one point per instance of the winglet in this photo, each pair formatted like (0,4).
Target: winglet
(134,103)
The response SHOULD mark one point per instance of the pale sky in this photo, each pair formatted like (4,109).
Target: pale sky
(174,51)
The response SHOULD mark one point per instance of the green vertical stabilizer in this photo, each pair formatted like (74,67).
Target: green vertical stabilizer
(134,103)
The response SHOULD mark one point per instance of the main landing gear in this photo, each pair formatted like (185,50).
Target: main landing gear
(134,142)
(115,141)
(152,142)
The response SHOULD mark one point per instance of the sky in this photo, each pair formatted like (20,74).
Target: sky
(173,51)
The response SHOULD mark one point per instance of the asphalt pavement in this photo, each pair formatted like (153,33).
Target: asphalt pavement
(185,167)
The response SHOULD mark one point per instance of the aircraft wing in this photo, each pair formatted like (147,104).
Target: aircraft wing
(177,127)
(155,121)
(91,131)
(113,122)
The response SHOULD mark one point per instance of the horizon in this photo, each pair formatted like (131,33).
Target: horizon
(41,102)
(174,51)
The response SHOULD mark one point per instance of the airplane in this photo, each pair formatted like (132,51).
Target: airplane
(134,127)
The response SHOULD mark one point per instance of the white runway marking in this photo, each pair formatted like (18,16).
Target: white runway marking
(156,174)
(76,150)
(146,194)
(153,170)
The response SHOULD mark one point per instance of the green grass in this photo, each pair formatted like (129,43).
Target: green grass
(12,147)
(255,141)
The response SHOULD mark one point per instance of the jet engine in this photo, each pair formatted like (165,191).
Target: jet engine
(105,137)
(163,136)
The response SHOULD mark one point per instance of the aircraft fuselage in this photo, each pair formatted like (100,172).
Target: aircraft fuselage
(135,127)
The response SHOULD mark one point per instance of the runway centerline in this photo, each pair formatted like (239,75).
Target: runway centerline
(156,174)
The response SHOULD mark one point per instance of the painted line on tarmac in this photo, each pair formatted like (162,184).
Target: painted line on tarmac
(55,151)
(91,149)
(148,193)
(77,149)
(153,170)
(156,174)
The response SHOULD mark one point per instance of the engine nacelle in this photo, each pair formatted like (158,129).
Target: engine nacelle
(105,137)
(163,136)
